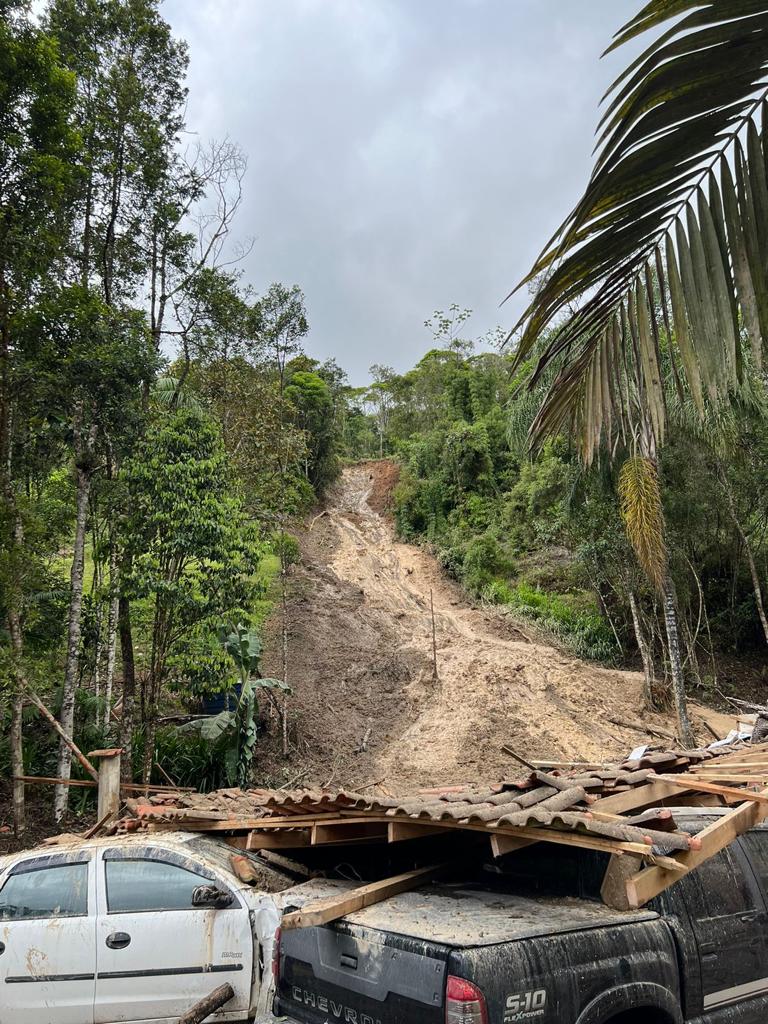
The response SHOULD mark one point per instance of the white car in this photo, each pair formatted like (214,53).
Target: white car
(131,929)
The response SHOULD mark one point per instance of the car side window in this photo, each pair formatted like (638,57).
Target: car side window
(723,888)
(56,891)
(756,845)
(134,886)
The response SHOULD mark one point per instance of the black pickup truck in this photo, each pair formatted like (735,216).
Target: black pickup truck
(530,941)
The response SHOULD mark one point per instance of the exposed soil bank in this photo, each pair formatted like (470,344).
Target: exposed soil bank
(360,659)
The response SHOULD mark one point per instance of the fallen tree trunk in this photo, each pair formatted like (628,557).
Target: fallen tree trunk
(66,739)
(643,727)
(207,1006)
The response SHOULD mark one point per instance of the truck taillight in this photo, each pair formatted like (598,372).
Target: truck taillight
(276,958)
(464,1003)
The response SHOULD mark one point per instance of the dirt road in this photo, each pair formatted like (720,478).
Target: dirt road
(367,707)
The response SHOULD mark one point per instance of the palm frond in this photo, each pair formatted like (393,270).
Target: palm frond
(669,244)
(641,509)
(168,392)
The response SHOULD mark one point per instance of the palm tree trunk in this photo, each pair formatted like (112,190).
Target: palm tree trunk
(645,652)
(67,714)
(675,663)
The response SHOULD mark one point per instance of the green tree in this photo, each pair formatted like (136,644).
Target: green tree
(37,143)
(193,557)
(312,400)
(282,325)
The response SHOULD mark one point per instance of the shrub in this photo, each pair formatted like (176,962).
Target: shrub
(484,561)
(571,620)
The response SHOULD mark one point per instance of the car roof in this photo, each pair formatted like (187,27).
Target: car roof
(178,842)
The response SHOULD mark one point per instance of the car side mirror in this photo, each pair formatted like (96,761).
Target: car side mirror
(210,896)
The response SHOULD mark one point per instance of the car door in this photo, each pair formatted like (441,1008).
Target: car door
(48,940)
(730,924)
(157,954)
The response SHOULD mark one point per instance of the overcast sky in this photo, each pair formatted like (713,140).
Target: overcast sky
(403,154)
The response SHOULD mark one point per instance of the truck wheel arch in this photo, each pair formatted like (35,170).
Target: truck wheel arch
(611,1005)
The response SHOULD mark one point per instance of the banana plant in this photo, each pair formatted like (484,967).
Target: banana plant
(236,729)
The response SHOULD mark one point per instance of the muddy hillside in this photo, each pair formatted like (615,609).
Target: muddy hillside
(367,708)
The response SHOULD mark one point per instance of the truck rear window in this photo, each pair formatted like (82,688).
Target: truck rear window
(548,870)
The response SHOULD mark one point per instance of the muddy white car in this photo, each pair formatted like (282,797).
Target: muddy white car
(130,929)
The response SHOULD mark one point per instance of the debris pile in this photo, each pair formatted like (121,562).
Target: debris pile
(626,811)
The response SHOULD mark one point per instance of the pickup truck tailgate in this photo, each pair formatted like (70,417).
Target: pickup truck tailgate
(347,973)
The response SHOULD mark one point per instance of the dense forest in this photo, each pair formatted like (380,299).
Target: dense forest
(163,433)
(159,422)
(546,537)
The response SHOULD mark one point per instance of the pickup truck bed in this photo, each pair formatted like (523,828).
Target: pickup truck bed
(390,963)
(463,916)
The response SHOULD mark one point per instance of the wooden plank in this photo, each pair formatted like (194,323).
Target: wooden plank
(726,777)
(711,787)
(400,831)
(277,840)
(249,824)
(569,838)
(584,840)
(638,799)
(508,844)
(168,790)
(567,765)
(368,831)
(131,787)
(236,842)
(46,780)
(711,766)
(646,884)
(323,911)
(95,829)
(581,839)
(745,754)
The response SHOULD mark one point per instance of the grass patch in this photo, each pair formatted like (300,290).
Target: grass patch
(573,619)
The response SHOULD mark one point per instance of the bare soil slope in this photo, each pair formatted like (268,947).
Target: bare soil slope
(366,706)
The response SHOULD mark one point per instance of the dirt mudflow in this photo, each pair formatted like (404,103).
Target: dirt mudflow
(366,707)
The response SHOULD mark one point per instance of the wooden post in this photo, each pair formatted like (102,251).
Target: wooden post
(435,676)
(621,867)
(109,781)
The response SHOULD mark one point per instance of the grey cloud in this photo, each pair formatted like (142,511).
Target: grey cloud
(403,154)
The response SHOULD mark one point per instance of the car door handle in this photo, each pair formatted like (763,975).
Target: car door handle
(118,940)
